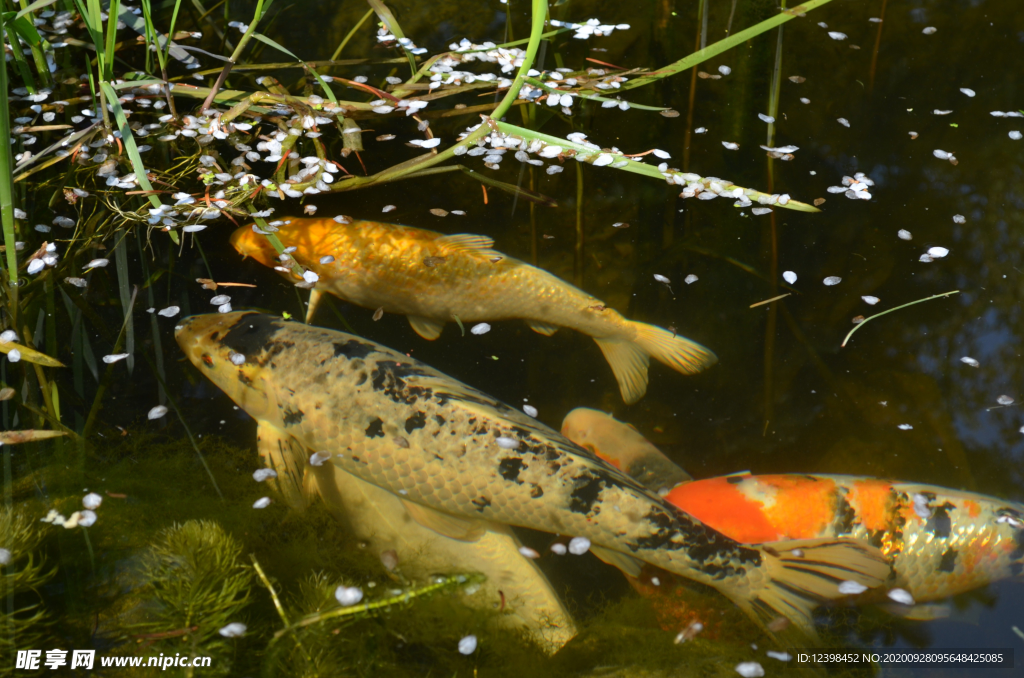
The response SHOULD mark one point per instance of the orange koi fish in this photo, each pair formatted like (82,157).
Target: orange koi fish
(434,279)
(938,541)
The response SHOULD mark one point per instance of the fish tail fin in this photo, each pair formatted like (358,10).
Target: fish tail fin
(674,350)
(803,574)
(629,359)
(629,364)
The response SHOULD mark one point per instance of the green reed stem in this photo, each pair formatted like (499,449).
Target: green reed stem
(385,15)
(235,56)
(895,308)
(723,45)
(7,194)
(352,32)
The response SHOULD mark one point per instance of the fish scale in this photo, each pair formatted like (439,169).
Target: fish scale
(353,399)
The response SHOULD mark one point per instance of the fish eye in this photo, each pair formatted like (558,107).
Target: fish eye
(207,360)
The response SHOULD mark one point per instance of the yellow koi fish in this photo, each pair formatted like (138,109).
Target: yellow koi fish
(457,457)
(940,541)
(434,279)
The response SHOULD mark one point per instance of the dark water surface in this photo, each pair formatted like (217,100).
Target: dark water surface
(784,398)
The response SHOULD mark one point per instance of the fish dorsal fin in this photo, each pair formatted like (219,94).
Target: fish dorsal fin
(287,457)
(444,523)
(542,328)
(629,565)
(425,327)
(465,242)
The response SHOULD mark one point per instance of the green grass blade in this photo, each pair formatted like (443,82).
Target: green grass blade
(124,287)
(38,4)
(129,142)
(385,15)
(630,165)
(723,45)
(323,83)
(6,184)
(19,58)
(894,308)
(352,32)
(111,37)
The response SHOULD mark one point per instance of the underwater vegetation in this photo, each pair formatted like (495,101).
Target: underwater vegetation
(24,620)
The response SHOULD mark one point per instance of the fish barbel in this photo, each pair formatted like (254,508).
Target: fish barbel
(434,279)
(466,458)
(939,541)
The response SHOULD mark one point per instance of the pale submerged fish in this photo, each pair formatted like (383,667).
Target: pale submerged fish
(318,389)
(434,279)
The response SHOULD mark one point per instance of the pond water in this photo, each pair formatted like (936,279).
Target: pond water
(928,394)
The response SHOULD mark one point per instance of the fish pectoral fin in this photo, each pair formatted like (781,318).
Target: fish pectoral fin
(463,529)
(315,296)
(425,327)
(629,363)
(629,565)
(542,328)
(463,242)
(287,457)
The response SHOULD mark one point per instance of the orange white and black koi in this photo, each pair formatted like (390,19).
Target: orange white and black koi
(939,541)
(435,279)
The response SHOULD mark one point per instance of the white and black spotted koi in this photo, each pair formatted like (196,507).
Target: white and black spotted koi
(470,457)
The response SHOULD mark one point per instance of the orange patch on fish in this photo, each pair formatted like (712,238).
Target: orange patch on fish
(870,499)
(720,504)
(803,506)
(973,508)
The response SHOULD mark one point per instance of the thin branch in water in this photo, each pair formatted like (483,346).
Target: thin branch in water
(768,301)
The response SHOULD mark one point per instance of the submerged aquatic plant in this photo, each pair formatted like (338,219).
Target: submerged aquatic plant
(197,585)
(23,571)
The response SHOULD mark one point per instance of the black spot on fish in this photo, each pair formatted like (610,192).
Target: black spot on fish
(510,468)
(948,561)
(375,429)
(293,417)
(940,524)
(272,350)
(389,378)
(585,494)
(734,480)
(251,333)
(362,379)
(244,379)
(418,420)
(846,516)
(536,492)
(439,419)
(481,503)
(353,349)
